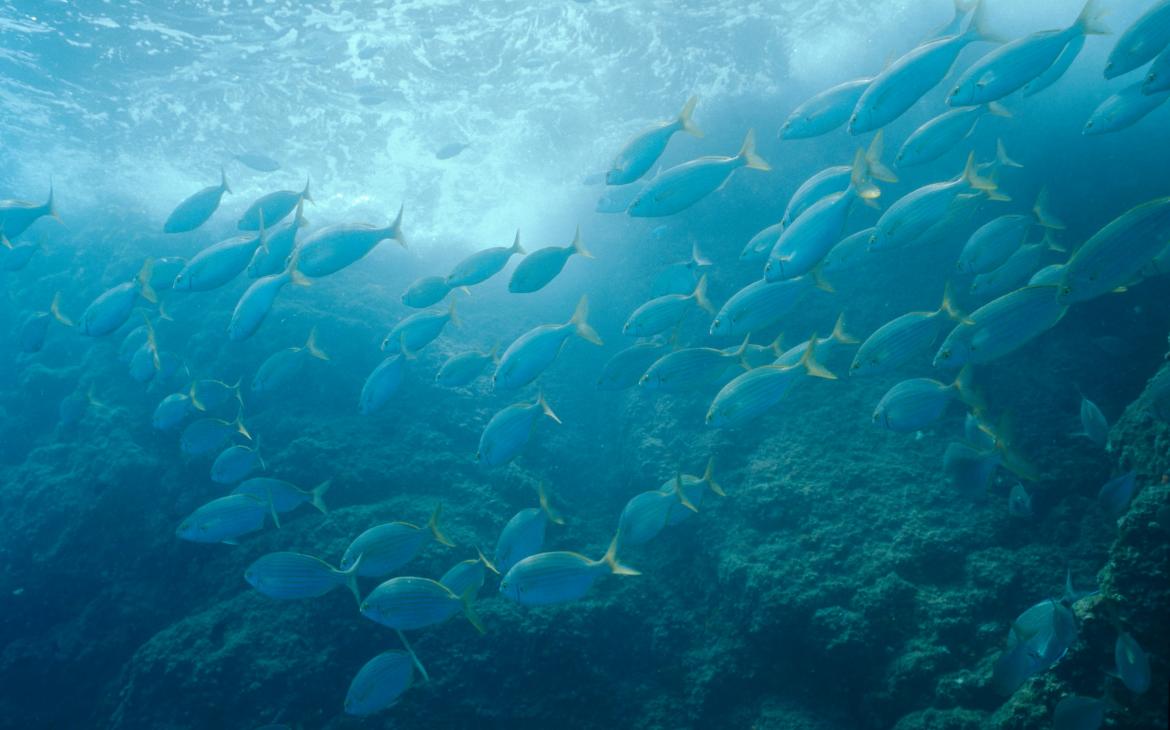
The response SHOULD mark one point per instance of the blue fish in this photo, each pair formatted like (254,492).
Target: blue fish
(270,209)
(641,152)
(1115,495)
(379,683)
(483,265)
(550,578)
(292,576)
(506,434)
(194,210)
(682,186)
(524,533)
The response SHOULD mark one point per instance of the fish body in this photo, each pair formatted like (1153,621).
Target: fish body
(648,513)
(1113,256)
(969,469)
(1048,276)
(270,209)
(943,133)
(618,199)
(224,520)
(914,404)
(468,575)
(379,683)
(1133,666)
(1158,75)
(385,548)
(381,384)
(1012,274)
(284,496)
(407,603)
(1074,712)
(662,313)
(333,248)
(626,368)
(682,186)
(758,246)
(694,488)
(641,152)
(900,340)
(257,301)
(193,211)
(426,291)
(257,161)
(558,577)
(1058,69)
(463,369)
(281,366)
(16,257)
(17,215)
(539,268)
(448,151)
(756,391)
(291,576)
(1124,109)
(1001,326)
(825,111)
(532,352)
(1094,425)
(207,435)
(217,264)
(1115,495)
(113,306)
(1146,38)
(277,245)
(164,271)
(993,243)
(33,332)
(691,368)
(483,265)
(523,535)
(506,434)
(1019,502)
(235,463)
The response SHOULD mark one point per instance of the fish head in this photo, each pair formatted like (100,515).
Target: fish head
(509,589)
(961,95)
(1094,126)
(857,121)
(182,281)
(720,325)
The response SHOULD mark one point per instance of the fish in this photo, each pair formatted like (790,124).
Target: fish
(1094,425)
(291,576)
(756,391)
(523,535)
(270,209)
(276,246)
(145,362)
(16,257)
(694,489)
(1114,255)
(418,330)
(1048,276)
(284,496)
(1048,628)
(113,306)
(1019,502)
(1001,326)
(626,367)
(483,265)
(647,513)
(188,215)
(506,434)
(963,13)
(692,368)
(536,270)
(235,463)
(850,254)
(680,187)
(944,133)
(1124,109)
(903,338)
(558,577)
(281,366)
(809,238)
(209,434)
(209,395)
(1115,495)
(217,264)
(825,345)
(256,302)
(172,411)
(385,548)
(1017,271)
(35,328)
(825,111)
(1074,712)
(909,218)
(662,313)
(257,161)
(225,520)
(468,575)
(1012,668)
(164,272)
(639,154)
(406,603)
(1158,76)
(379,683)
(382,383)
(17,215)
(425,291)
(679,277)
(914,404)
(901,84)
(1058,69)
(993,243)
(74,406)
(132,342)
(1009,67)
(463,369)
(532,352)
(1133,666)
(453,149)
(618,199)
(333,248)
(1148,36)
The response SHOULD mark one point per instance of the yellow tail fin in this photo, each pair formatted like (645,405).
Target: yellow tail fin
(578,245)
(546,506)
(809,361)
(610,559)
(700,295)
(546,408)
(311,346)
(747,153)
(486,563)
(55,310)
(681,494)
(684,117)
(709,478)
(584,331)
(1044,215)
(839,333)
(433,524)
(516,247)
(873,160)
(468,599)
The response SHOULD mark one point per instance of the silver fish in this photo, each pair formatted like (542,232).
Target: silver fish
(508,431)
(1001,326)
(1148,36)
(900,340)
(406,603)
(1113,256)
(825,111)
(333,248)
(682,186)
(641,152)
(291,576)
(539,268)
(558,577)
(483,265)
(385,548)
(532,352)
(189,214)
(224,520)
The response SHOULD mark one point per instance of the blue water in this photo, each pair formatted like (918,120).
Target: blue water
(842,582)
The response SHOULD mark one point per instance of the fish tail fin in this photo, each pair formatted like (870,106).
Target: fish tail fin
(451,313)
(747,153)
(809,361)
(697,257)
(965,387)
(350,576)
(681,494)
(299,217)
(239,424)
(143,279)
(709,478)
(1002,158)
(433,525)
(777,345)
(1049,241)
(611,560)
(396,227)
(819,280)
(311,346)
(978,29)
(1044,215)
(50,204)
(996,109)
(578,245)
(413,657)
(317,496)
(163,314)
(873,160)
(700,295)
(4,239)
(859,180)
(1012,460)
(516,247)
(584,330)
(684,118)
(546,506)
(1091,21)
(494,353)
(545,408)
(972,177)
(55,310)
(948,306)
(468,601)
(741,352)
(486,563)
(305,195)
(223,183)
(840,334)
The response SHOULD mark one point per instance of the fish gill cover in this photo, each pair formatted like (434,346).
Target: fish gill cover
(453,364)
